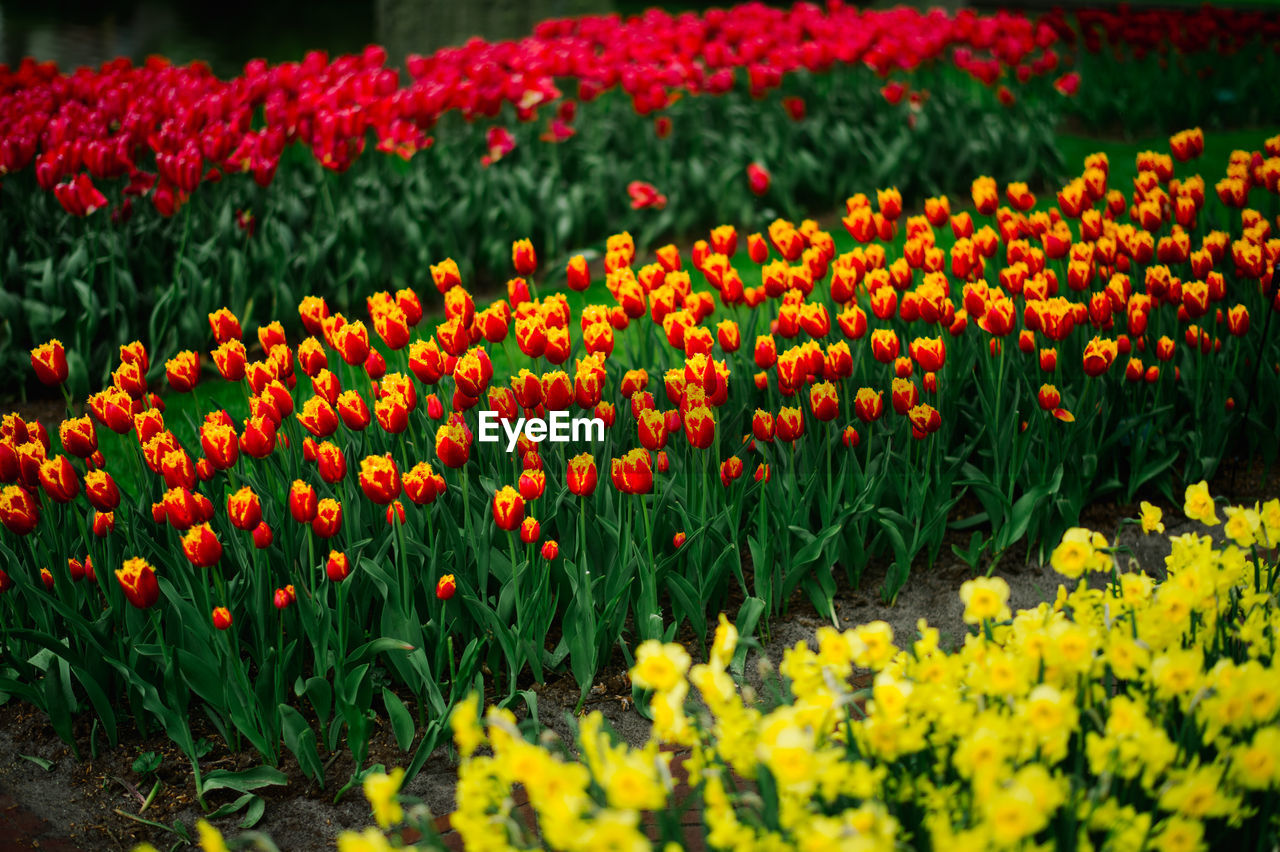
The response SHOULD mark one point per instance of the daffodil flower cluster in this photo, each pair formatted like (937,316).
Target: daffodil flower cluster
(1139,715)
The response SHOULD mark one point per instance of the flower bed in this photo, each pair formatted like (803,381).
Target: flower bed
(336,527)
(256,191)
(1129,713)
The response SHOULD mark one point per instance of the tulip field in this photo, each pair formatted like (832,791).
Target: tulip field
(309,480)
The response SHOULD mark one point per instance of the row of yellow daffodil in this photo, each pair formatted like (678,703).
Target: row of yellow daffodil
(1127,714)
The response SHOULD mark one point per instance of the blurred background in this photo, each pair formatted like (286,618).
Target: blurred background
(231,32)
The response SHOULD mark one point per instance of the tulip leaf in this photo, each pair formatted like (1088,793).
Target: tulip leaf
(300,738)
(401,722)
(245,780)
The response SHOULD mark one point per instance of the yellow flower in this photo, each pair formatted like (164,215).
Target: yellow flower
(1072,556)
(617,831)
(371,840)
(1180,835)
(1012,815)
(1152,518)
(1256,766)
(1198,505)
(465,723)
(210,838)
(726,642)
(381,789)
(1243,525)
(985,598)
(659,666)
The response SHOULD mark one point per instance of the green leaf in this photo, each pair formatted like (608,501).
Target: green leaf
(401,721)
(301,740)
(246,780)
(46,765)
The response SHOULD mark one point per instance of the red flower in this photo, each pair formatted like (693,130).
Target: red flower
(101,491)
(523,257)
(644,195)
(453,445)
(59,480)
(380,479)
(700,427)
(49,360)
(183,371)
(508,508)
(868,405)
(338,568)
(633,473)
(19,511)
(302,502)
(824,401)
(758,178)
(138,582)
(258,439)
(582,475)
(445,587)
(224,325)
(80,438)
(789,424)
(328,518)
(221,618)
(201,546)
(924,420)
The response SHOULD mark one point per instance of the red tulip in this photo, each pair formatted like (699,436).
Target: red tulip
(101,491)
(19,511)
(328,518)
(338,566)
(49,360)
(138,582)
(201,546)
(508,508)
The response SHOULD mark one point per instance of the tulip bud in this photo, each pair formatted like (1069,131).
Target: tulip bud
(221,618)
